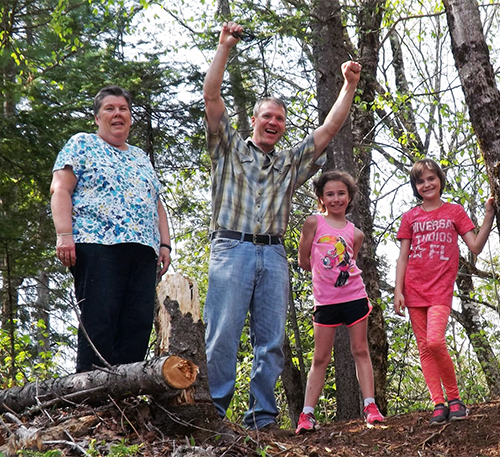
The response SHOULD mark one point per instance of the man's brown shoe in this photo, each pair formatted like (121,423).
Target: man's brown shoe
(274,429)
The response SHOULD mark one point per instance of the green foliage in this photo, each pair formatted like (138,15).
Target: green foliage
(51,74)
(240,400)
(20,364)
(119,449)
(92,449)
(28,453)
(263,451)
(122,450)
(406,387)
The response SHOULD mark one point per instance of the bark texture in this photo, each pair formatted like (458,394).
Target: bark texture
(292,385)
(470,319)
(166,375)
(329,52)
(363,132)
(180,331)
(477,76)
(293,378)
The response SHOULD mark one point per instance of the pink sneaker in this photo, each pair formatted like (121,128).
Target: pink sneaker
(307,423)
(372,414)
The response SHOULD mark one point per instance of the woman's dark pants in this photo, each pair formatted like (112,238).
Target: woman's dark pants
(115,290)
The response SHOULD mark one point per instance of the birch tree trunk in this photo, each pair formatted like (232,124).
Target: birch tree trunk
(42,312)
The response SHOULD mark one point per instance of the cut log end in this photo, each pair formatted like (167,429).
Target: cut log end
(179,373)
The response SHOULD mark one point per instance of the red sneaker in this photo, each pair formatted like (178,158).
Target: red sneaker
(307,423)
(372,414)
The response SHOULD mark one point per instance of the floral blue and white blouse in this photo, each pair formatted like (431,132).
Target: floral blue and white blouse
(116,195)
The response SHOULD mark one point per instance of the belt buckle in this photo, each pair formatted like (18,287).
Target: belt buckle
(254,240)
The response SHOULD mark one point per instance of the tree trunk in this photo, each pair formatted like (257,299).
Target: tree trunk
(181,332)
(292,385)
(235,77)
(471,321)
(363,132)
(9,296)
(42,313)
(407,125)
(477,76)
(347,390)
(329,53)
(294,379)
(164,375)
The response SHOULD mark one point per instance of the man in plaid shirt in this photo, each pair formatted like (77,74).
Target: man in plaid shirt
(252,188)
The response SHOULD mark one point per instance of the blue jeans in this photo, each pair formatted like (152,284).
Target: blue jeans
(115,288)
(246,278)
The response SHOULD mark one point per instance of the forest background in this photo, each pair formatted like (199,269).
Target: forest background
(413,101)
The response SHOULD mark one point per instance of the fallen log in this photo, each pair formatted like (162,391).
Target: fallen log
(160,376)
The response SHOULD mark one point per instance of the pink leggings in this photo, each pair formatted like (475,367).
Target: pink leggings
(429,325)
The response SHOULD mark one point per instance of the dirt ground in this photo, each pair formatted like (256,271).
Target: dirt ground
(74,431)
(407,435)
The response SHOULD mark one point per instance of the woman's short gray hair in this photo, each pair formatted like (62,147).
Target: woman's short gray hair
(117,91)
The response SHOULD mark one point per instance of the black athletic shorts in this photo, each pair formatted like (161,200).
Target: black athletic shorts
(349,313)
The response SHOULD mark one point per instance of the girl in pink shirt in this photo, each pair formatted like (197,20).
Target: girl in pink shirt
(329,245)
(425,274)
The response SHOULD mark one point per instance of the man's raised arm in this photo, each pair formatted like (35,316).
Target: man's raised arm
(340,110)
(214,105)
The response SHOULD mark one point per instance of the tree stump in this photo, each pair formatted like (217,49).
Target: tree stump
(181,332)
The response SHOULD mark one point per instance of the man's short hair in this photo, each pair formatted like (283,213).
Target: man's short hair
(259,103)
(117,91)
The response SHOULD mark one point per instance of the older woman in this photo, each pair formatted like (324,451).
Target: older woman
(112,232)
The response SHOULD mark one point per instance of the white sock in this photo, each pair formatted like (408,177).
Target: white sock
(308,409)
(367,401)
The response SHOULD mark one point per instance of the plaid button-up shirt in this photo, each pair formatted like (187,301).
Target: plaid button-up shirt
(251,190)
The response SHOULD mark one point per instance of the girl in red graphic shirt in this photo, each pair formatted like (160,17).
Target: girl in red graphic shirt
(425,274)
